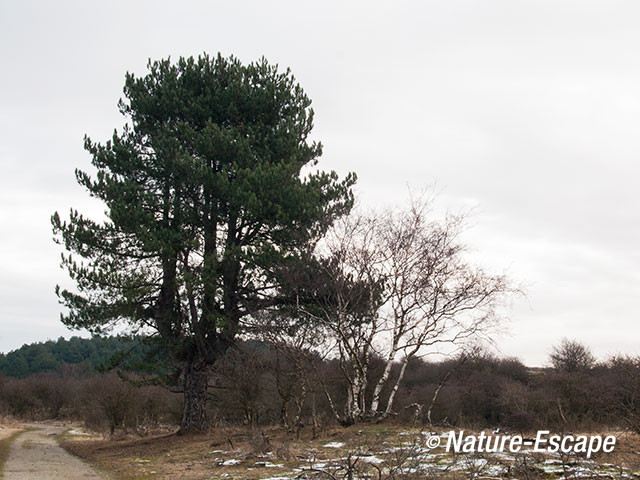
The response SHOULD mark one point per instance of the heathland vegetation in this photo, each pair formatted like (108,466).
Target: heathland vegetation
(258,385)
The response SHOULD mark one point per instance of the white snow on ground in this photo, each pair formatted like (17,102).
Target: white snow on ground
(494,470)
(369,458)
(333,445)
(432,461)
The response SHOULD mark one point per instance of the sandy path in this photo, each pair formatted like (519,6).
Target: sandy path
(36,455)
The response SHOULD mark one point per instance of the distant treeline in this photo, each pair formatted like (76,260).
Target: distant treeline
(94,353)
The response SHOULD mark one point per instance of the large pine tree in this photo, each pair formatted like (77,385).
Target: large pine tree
(205,200)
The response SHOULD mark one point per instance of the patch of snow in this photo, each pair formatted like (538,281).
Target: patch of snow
(494,470)
(370,458)
(333,445)
(269,465)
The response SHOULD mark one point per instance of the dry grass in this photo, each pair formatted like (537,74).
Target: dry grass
(234,454)
(8,427)
(224,453)
(626,452)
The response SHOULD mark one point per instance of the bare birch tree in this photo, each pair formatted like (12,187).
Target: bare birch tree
(397,285)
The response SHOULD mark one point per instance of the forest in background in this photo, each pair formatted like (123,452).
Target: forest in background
(50,356)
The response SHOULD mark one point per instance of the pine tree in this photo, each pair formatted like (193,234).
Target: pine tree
(205,199)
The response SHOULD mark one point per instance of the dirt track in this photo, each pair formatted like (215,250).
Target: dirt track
(36,455)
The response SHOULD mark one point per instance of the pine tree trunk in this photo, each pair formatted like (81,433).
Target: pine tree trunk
(194,417)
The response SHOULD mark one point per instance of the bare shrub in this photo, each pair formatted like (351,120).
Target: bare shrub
(111,403)
(571,356)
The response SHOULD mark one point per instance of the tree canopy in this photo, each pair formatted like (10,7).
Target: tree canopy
(205,198)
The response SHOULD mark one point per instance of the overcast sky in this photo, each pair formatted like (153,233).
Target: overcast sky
(526,111)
